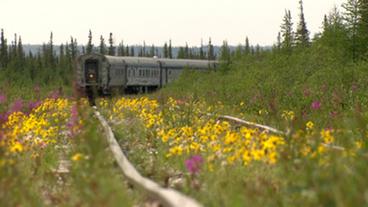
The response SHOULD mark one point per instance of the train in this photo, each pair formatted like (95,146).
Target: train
(105,74)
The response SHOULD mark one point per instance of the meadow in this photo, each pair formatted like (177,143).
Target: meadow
(313,91)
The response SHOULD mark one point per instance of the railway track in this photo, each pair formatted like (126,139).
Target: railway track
(165,196)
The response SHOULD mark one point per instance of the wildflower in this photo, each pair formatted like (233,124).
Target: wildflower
(32,105)
(77,157)
(288,115)
(17,105)
(309,125)
(2,98)
(194,164)
(316,105)
(16,147)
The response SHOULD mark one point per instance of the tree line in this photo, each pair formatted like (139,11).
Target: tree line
(344,35)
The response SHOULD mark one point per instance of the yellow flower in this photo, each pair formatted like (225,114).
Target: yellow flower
(310,125)
(16,147)
(77,157)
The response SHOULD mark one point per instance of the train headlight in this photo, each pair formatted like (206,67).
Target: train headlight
(90,75)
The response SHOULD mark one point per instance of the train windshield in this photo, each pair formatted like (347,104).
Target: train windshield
(91,71)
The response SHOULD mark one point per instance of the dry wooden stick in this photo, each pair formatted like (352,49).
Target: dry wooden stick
(270,129)
(251,124)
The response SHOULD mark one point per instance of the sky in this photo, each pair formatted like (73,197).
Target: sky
(156,21)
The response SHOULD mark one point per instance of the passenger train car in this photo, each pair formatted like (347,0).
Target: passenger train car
(132,74)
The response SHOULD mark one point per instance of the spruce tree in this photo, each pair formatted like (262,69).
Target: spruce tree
(144,52)
(73,48)
(3,50)
(20,51)
(302,33)
(127,52)
(50,51)
(225,52)
(121,49)
(363,28)
(111,45)
(186,51)
(211,53)
(166,51)
(278,45)
(102,47)
(89,47)
(170,50)
(201,51)
(247,46)
(352,18)
(287,32)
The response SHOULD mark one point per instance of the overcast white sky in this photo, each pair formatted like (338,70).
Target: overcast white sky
(156,21)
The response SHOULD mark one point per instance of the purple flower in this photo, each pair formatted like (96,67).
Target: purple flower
(316,105)
(73,120)
(32,105)
(17,105)
(194,164)
(2,98)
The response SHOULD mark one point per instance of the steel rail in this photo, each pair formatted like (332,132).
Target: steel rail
(166,196)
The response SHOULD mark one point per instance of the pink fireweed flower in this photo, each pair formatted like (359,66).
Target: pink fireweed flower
(2,98)
(73,122)
(316,105)
(32,105)
(194,164)
(4,117)
(17,106)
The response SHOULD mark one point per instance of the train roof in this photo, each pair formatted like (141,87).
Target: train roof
(146,61)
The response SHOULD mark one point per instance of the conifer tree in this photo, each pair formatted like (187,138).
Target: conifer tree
(186,51)
(352,18)
(89,48)
(225,52)
(278,45)
(144,53)
(111,47)
(127,52)
(247,46)
(20,51)
(170,50)
(166,51)
(302,33)
(201,51)
(363,28)
(211,53)
(121,49)
(73,48)
(287,32)
(102,46)
(3,50)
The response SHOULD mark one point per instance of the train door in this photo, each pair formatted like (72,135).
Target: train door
(91,71)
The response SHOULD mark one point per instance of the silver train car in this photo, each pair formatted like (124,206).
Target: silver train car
(132,74)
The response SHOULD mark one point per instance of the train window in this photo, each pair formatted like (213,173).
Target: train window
(140,73)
